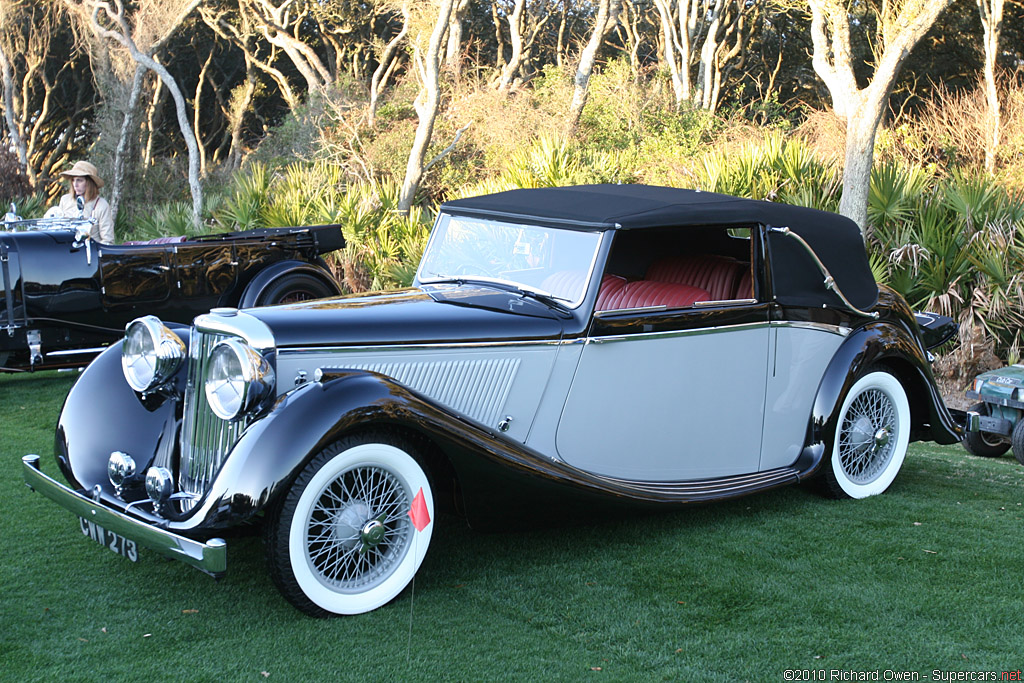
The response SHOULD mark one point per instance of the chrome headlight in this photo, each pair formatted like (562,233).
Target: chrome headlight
(151,353)
(237,379)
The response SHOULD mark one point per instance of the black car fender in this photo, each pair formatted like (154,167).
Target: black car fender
(271,274)
(102,413)
(890,345)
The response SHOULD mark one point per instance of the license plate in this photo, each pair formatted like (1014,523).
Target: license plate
(116,542)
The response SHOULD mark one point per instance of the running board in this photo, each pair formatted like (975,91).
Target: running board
(709,489)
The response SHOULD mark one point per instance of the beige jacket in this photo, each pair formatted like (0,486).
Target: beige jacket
(103,229)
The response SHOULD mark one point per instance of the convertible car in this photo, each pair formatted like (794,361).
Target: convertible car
(560,349)
(65,298)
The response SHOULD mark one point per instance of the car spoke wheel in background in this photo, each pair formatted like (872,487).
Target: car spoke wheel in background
(342,541)
(292,288)
(871,437)
(981,443)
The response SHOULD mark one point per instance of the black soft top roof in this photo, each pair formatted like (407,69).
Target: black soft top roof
(835,239)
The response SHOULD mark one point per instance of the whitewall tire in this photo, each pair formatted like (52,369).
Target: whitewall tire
(872,435)
(342,541)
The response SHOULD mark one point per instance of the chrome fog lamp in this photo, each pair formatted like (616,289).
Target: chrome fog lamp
(151,353)
(159,485)
(237,379)
(120,466)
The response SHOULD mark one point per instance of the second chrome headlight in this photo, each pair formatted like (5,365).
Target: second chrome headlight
(237,379)
(151,353)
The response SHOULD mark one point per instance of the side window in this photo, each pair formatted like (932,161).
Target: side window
(678,267)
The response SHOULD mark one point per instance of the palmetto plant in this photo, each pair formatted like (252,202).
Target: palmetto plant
(384,244)
(776,168)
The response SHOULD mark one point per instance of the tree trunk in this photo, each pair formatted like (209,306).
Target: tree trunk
(606,16)
(863,108)
(9,109)
(861,126)
(515,32)
(385,65)
(123,36)
(123,152)
(991,22)
(427,103)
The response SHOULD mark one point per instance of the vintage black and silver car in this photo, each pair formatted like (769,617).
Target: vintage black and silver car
(564,348)
(66,297)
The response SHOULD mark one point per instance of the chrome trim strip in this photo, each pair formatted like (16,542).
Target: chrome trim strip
(723,302)
(291,352)
(818,327)
(671,334)
(210,557)
(75,352)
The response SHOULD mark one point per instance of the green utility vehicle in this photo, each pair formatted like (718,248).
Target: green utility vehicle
(994,424)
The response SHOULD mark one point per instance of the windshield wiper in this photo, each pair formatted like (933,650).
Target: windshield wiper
(546,298)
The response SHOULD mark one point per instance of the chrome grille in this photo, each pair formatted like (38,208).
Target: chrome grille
(205,438)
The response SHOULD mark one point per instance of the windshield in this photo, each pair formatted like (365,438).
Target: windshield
(550,261)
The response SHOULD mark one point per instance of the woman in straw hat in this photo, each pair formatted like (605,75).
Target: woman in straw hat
(86,183)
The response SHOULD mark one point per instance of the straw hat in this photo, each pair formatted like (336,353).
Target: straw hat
(84,169)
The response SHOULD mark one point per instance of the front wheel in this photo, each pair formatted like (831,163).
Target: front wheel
(871,439)
(981,443)
(355,526)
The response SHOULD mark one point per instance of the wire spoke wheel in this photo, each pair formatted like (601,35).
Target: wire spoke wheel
(358,529)
(342,540)
(865,438)
(872,435)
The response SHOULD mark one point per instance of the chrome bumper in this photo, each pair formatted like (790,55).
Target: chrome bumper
(210,557)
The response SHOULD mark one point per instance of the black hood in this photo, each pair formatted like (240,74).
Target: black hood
(428,314)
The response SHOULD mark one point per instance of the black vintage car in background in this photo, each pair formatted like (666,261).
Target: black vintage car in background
(562,349)
(65,297)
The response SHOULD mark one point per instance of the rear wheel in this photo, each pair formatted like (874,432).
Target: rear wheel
(871,439)
(294,287)
(984,444)
(344,539)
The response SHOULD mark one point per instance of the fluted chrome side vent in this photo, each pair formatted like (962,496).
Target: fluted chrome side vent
(205,438)
(476,388)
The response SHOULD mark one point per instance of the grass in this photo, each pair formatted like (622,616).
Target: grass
(926,577)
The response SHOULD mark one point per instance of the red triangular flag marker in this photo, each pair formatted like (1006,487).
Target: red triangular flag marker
(418,513)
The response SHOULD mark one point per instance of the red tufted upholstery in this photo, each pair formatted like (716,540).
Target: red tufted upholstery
(718,275)
(610,285)
(643,293)
(745,289)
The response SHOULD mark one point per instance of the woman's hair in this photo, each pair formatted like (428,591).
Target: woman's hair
(91,191)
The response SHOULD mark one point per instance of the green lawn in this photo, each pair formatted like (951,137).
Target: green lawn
(926,577)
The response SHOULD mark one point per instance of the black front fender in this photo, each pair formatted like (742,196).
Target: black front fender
(887,344)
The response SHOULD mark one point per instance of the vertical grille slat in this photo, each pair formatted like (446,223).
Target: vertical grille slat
(205,438)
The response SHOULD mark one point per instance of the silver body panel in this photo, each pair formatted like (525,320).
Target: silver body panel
(706,384)
(799,356)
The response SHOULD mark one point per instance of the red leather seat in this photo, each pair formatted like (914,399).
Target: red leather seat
(645,293)
(745,289)
(715,274)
